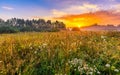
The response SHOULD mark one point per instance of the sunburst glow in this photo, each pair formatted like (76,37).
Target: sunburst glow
(86,19)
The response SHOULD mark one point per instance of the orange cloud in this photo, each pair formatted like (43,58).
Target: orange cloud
(86,19)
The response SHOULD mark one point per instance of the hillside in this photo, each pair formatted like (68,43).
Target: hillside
(101,28)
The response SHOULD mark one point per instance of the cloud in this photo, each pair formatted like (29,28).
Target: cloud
(86,7)
(116,7)
(58,13)
(7,8)
(76,9)
(68,3)
(85,19)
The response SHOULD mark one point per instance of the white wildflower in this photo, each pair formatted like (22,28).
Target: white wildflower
(107,65)
(69,61)
(44,44)
(103,37)
(98,72)
(80,69)
(80,61)
(74,69)
(85,67)
(116,70)
(91,73)
(95,67)
(74,61)
(31,47)
(91,69)
(39,46)
(58,74)
(35,52)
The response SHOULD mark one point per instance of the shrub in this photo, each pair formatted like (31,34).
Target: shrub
(8,29)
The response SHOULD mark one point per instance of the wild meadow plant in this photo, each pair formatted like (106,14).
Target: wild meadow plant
(60,53)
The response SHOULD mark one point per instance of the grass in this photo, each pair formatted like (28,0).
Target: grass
(60,53)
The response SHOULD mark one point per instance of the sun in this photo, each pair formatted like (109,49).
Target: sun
(79,26)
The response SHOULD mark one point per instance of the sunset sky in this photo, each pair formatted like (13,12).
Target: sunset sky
(71,12)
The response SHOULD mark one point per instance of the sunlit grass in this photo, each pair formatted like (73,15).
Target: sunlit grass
(70,53)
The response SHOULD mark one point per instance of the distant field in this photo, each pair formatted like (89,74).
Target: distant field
(60,53)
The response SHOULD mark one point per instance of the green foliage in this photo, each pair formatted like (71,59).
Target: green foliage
(25,29)
(8,29)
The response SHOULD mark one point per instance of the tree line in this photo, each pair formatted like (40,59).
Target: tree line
(20,25)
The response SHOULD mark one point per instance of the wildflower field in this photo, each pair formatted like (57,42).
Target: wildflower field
(60,53)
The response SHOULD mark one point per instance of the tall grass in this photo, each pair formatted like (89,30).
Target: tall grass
(60,53)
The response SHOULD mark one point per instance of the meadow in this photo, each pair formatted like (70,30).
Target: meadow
(60,53)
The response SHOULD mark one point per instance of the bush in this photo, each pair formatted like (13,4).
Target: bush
(26,29)
(8,29)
